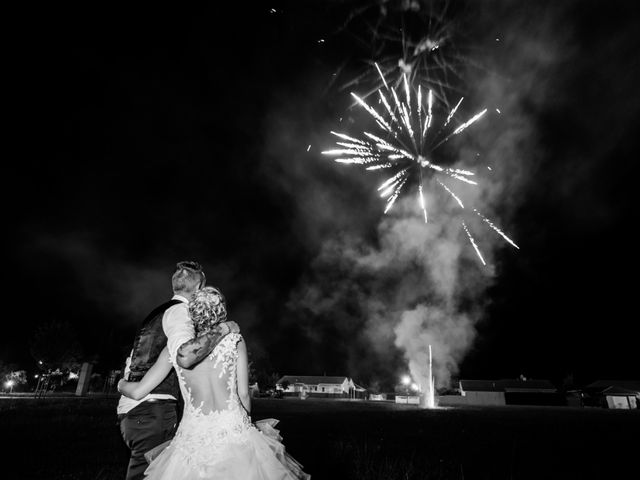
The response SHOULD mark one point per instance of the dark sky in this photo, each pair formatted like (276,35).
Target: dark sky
(148,137)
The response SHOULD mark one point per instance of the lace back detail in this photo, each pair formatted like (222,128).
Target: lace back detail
(210,387)
(225,355)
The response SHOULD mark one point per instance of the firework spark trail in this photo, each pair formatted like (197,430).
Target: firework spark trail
(384,145)
(388,107)
(407,124)
(461,178)
(380,166)
(395,195)
(346,151)
(382,76)
(393,179)
(355,146)
(452,194)
(462,127)
(469,122)
(373,112)
(388,191)
(422,204)
(411,153)
(358,161)
(473,242)
(497,230)
(395,98)
(346,137)
(461,172)
(453,112)
(427,121)
(407,92)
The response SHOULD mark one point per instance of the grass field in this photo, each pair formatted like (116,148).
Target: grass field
(78,439)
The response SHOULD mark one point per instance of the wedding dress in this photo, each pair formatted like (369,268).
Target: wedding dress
(216,438)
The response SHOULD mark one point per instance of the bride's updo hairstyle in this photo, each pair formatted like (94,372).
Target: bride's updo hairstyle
(207,308)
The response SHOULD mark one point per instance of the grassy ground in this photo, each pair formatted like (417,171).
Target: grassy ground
(78,439)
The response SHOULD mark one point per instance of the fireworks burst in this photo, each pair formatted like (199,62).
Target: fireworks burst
(414,40)
(408,147)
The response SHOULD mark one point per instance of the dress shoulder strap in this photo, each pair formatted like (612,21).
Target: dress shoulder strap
(226,352)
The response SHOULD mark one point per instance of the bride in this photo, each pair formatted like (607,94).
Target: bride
(215,438)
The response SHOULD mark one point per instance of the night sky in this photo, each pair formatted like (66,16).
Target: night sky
(148,137)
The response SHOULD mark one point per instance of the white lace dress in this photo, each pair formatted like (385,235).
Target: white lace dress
(221,443)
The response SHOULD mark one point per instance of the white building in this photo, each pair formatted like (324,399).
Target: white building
(503,392)
(322,386)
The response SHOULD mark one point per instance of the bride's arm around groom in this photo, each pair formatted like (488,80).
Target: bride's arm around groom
(151,379)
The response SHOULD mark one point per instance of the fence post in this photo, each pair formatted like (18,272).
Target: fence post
(83,381)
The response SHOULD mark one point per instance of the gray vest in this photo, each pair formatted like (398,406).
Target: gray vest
(147,347)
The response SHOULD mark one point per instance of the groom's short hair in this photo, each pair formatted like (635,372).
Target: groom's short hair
(188,277)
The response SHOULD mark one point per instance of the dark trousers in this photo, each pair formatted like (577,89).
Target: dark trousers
(144,427)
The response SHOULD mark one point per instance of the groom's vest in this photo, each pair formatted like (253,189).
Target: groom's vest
(147,347)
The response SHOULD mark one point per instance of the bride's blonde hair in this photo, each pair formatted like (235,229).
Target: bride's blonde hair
(207,308)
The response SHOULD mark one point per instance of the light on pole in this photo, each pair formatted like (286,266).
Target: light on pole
(406,381)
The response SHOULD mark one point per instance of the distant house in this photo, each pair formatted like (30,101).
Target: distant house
(320,386)
(482,392)
(624,394)
(531,392)
(506,392)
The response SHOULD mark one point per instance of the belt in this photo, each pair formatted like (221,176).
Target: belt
(161,400)
(150,400)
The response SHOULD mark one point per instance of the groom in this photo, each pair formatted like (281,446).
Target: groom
(148,422)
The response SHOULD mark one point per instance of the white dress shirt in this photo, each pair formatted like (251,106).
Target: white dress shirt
(179,329)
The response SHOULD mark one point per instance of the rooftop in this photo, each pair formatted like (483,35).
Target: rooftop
(507,385)
(601,385)
(313,379)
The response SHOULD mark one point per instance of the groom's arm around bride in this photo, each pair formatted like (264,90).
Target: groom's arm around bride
(194,351)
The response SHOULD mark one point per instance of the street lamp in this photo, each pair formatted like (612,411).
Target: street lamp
(9,384)
(406,380)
